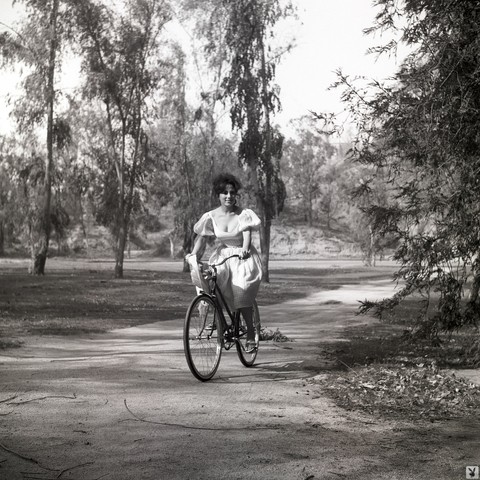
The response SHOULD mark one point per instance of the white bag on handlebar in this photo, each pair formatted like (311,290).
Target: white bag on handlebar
(196,274)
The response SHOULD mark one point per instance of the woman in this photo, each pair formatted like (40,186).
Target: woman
(238,278)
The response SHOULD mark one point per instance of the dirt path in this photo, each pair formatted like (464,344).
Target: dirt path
(124,406)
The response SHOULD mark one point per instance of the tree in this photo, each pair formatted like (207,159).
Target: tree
(303,163)
(329,189)
(421,133)
(11,218)
(208,152)
(124,69)
(6,196)
(37,46)
(210,22)
(368,188)
(254,98)
(185,176)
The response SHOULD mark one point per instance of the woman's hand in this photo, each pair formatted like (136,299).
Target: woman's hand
(244,254)
(188,255)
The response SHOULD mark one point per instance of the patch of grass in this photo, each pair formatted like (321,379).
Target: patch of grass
(83,301)
(4,344)
(81,297)
(387,344)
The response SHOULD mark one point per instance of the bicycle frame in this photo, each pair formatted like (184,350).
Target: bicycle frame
(217,296)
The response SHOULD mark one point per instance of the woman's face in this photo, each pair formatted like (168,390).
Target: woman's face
(228,197)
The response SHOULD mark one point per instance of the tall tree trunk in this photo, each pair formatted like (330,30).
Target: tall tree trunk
(370,250)
(265,229)
(40,247)
(310,210)
(2,239)
(83,223)
(267,195)
(474,291)
(121,227)
(120,248)
(171,238)
(265,226)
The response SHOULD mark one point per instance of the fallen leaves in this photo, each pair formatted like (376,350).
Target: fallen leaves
(275,336)
(404,391)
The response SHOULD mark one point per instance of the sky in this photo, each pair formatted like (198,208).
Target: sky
(328,36)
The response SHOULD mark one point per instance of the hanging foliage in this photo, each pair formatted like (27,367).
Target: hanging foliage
(420,134)
(254,98)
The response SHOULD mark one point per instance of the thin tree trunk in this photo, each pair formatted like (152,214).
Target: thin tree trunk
(131,190)
(264,230)
(83,225)
(40,248)
(2,239)
(189,236)
(265,248)
(120,252)
(129,244)
(372,246)
(171,238)
(267,195)
(310,211)
(121,227)
(474,292)
(370,253)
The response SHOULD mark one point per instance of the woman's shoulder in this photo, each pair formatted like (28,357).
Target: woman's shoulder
(209,214)
(212,214)
(204,226)
(245,211)
(248,219)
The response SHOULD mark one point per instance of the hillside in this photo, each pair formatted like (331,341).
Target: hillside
(289,238)
(299,241)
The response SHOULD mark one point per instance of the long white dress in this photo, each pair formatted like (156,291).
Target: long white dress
(239,280)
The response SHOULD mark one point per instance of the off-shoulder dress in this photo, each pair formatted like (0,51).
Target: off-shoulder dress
(239,280)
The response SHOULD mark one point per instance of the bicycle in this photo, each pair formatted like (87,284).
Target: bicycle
(206,331)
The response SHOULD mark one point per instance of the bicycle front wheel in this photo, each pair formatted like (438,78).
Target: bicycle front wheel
(247,352)
(202,338)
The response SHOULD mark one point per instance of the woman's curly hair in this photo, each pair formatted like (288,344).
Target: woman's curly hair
(221,181)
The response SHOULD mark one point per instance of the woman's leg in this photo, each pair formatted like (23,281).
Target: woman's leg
(247,313)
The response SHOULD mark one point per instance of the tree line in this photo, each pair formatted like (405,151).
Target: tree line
(128,128)
(126,141)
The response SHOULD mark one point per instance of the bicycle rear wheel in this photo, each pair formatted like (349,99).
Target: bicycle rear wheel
(247,353)
(202,338)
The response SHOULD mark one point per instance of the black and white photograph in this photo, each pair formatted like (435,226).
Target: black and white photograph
(239,239)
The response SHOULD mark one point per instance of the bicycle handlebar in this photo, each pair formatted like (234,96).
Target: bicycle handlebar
(224,260)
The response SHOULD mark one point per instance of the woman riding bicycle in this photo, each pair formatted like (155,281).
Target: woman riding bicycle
(239,278)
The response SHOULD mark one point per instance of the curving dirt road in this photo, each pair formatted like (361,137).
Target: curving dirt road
(123,406)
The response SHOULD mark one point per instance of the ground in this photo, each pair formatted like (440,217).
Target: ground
(94,383)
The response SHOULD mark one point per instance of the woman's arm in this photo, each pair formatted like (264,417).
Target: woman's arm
(247,238)
(199,247)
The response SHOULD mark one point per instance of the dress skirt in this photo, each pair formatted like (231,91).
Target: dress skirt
(238,280)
